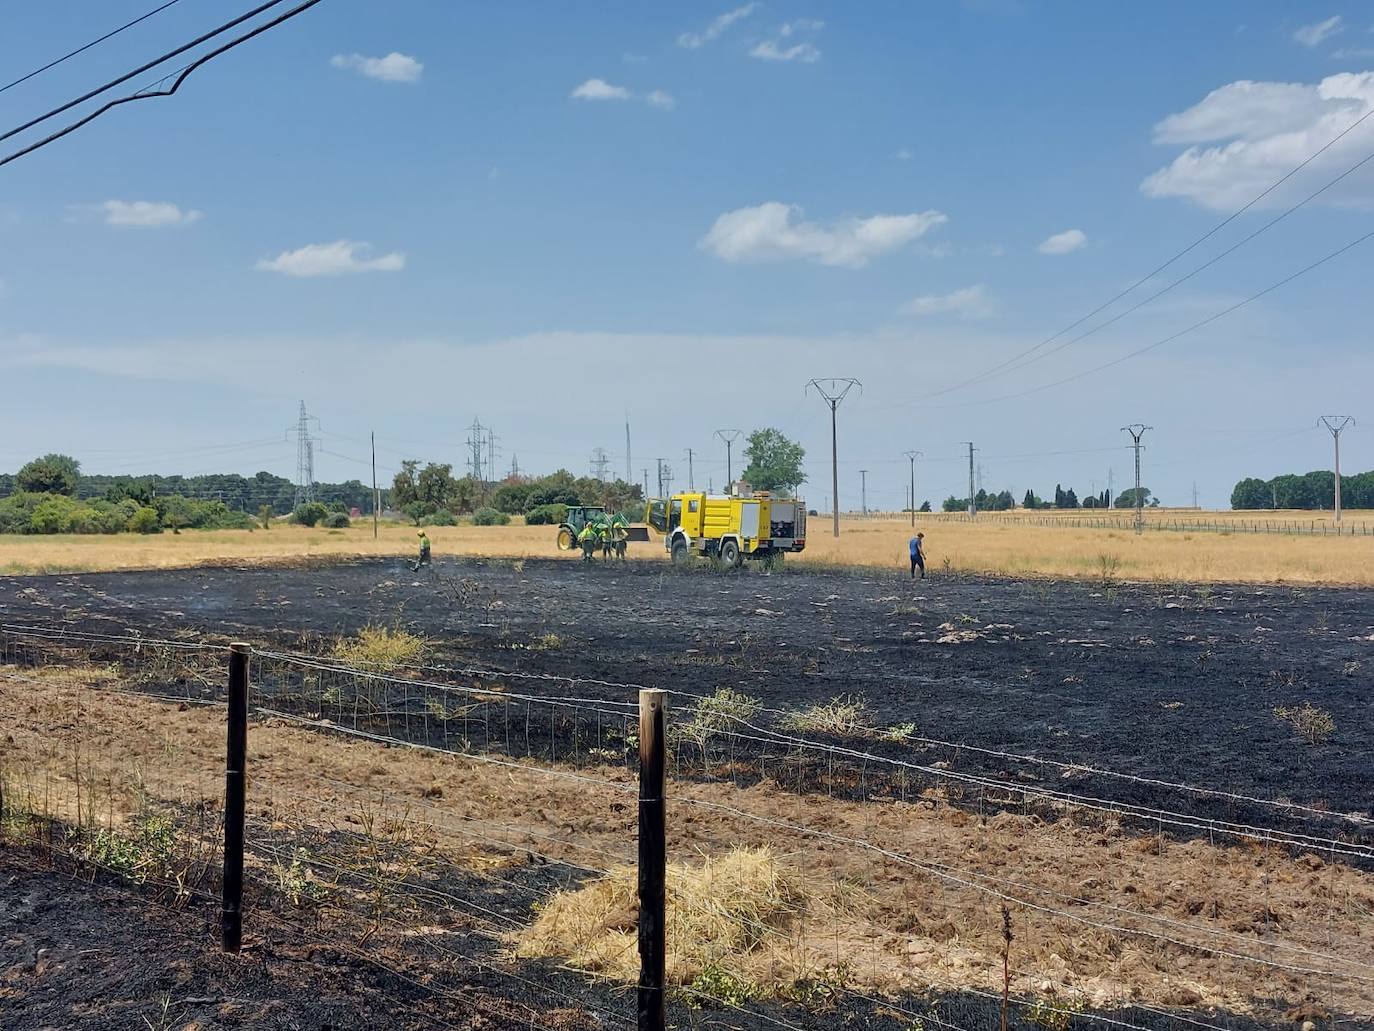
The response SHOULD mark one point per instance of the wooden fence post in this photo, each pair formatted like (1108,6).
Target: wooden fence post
(235,761)
(653,859)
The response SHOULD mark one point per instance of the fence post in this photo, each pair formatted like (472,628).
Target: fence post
(235,761)
(653,859)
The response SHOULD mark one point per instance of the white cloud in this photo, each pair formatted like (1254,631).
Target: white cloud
(600,89)
(768,50)
(777,50)
(145,213)
(332,259)
(1318,32)
(904,155)
(971,302)
(1352,54)
(777,232)
(1261,131)
(1064,243)
(713,31)
(393,67)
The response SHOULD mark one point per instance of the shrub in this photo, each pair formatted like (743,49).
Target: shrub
(722,711)
(443,517)
(53,514)
(546,515)
(310,513)
(379,647)
(489,517)
(845,715)
(144,520)
(338,521)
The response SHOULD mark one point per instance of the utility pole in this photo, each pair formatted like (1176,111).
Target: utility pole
(863,491)
(1137,430)
(376,495)
(1110,475)
(1195,493)
(833,391)
(729,436)
(646,483)
(660,477)
(1337,423)
(691,476)
(911,457)
(972,505)
(629,471)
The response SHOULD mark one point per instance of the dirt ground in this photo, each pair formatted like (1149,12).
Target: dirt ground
(494,838)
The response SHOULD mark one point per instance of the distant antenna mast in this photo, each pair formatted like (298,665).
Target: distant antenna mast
(629,470)
(1337,423)
(833,391)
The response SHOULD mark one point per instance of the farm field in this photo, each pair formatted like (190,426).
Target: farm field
(1004,701)
(997,545)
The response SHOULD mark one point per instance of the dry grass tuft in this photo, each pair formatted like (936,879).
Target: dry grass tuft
(1313,725)
(718,913)
(846,715)
(380,648)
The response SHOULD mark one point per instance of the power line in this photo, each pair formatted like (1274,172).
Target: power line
(83,49)
(988,373)
(145,94)
(1176,335)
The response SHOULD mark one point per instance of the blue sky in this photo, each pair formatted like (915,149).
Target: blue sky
(545,216)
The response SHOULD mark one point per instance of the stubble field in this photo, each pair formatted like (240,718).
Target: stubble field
(997,545)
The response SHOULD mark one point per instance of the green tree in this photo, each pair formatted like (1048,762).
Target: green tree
(1126,499)
(775,463)
(1251,492)
(51,474)
(925,507)
(405,487)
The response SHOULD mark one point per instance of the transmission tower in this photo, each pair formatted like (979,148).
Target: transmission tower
(476,445)
(1337,423)
(911,457)
(305,456)
(833,391)
(1137,430)
(600,463)
(729,436)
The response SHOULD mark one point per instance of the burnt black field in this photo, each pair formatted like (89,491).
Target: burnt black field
(1174,682)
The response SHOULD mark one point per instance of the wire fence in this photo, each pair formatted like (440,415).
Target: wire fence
(1152,521)
(474,829)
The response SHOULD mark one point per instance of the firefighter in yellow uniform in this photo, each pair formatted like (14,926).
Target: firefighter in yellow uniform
(588,539)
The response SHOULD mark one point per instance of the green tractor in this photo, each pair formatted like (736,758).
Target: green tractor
(580,515)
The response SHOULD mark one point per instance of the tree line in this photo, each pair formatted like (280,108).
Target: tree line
(1003,501)
(1313,491)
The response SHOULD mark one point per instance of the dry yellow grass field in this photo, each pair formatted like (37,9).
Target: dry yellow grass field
(991,546)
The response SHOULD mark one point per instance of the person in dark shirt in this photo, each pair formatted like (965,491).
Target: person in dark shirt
(918,555)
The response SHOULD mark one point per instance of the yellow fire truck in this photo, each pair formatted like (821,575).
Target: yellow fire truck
(728,529)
